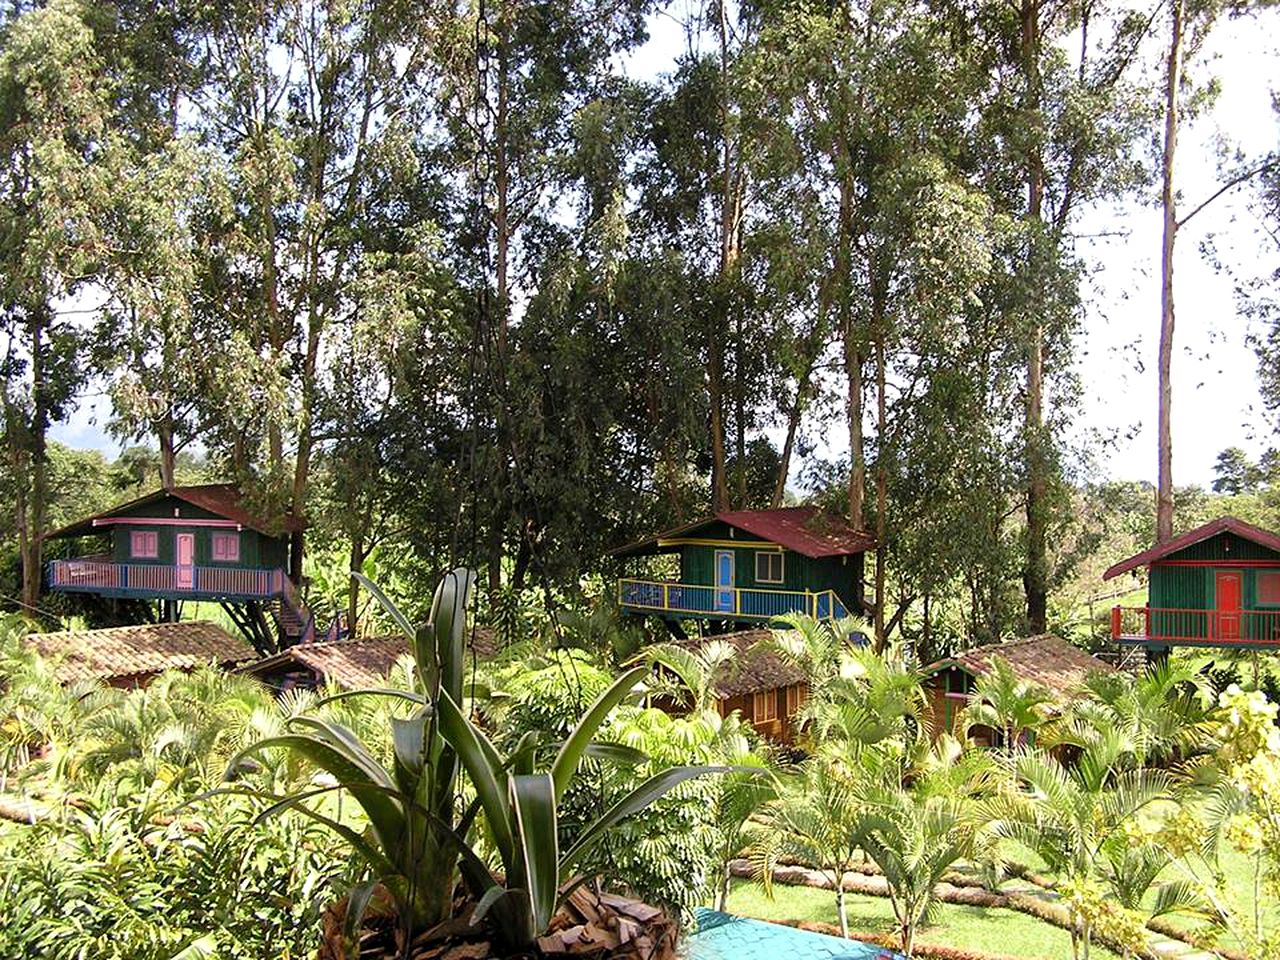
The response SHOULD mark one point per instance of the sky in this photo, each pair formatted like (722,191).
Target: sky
(1215,398)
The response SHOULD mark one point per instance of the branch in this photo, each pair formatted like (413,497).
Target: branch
(1272,164)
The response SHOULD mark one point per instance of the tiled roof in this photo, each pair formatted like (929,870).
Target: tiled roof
(145,649)
(1241,529)
(754,669)
(352,664)
(221,499)
(806,530)
(1047,660)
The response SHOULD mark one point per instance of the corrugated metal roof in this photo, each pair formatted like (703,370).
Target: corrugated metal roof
(1050,661)
(1247,531)
(221,499)
(151,648)
(806,530)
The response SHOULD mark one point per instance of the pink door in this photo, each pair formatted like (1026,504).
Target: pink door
(186,560)
(1228,605)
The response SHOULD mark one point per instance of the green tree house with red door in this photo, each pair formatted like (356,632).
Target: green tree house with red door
(1217,585)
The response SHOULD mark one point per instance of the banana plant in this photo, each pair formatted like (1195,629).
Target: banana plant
(522,805)
(412,844)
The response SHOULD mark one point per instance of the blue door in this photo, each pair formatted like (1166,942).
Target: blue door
(724,582)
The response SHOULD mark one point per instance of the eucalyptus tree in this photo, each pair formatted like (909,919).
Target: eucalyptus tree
(1061,129)
(59,162)
(311,109)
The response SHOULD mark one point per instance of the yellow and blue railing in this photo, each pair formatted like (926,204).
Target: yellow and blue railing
(736,603)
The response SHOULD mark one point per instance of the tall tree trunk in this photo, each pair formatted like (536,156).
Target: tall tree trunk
(356,559)
(1173,80)
(168,454)
(718,323)
(31,534)
(503,229)
(1036,573)
(788,445)
(882,490)
(852,357)
(740,411)
(811,345)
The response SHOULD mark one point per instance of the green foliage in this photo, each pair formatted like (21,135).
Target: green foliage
(411,847)
(1006,704)
(109,881)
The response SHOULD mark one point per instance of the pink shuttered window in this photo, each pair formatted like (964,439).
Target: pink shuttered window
(144,544)
(226,547)
(1269,587)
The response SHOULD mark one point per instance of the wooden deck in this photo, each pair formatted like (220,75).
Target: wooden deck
(148,581)
(1161,627)
(668,598)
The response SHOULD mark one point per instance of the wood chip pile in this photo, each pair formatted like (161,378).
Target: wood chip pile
(589,925)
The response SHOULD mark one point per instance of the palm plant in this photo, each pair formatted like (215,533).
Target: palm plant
(914,838)
(1161,713)
(916,817)
(873,699)
(694,673)
(1069,814)
(1006,704)
(822,649)
(809,822)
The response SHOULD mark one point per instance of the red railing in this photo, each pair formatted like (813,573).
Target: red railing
(89,576)
(1250,628)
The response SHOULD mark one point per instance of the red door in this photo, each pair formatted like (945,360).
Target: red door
(186,544)
(1228,605)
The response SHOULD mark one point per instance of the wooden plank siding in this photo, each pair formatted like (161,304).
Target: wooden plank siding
(1186,581)
(257,550)
(841,575)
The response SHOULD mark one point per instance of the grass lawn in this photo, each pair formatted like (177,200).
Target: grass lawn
(974,928)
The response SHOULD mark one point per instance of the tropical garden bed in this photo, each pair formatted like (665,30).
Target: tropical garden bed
(434,818)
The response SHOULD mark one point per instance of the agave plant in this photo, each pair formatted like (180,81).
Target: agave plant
(416,845)
(521,805)
(411,845)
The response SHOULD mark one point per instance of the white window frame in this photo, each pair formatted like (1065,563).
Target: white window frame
(782,566)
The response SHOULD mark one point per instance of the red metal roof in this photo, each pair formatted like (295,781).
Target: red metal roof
(1246,531)
(806,530)
(221,499)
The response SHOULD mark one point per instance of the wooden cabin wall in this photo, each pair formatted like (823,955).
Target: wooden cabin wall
(1173,587)
(256,549)
(841,574)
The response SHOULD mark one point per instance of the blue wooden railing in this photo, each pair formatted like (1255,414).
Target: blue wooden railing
(745,603)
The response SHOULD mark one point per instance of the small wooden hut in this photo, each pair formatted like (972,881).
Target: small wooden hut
(1051,662)
(133,656)
(764,688)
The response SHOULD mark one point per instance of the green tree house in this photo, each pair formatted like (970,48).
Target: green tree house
(749,566)
(192,543)
(1217,585)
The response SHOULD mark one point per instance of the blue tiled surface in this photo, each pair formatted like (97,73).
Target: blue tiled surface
(722,936)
